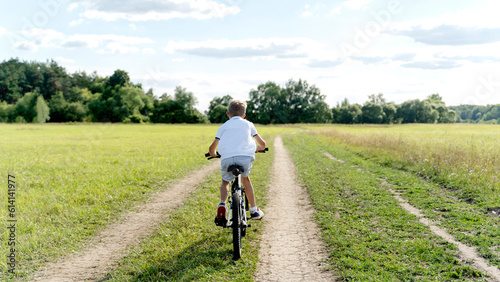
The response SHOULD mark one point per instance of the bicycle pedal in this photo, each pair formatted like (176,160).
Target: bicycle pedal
(220,222)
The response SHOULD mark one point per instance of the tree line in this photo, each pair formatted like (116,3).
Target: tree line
(46,92)
(41,92)
(478,114)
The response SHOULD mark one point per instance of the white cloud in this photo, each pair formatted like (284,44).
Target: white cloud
(306,14)
(76,22)
(148,10)
(483,16)
(149,51)
(324,63)
(336,10)
(357,4)
(26,46)
(38,37)
(72,6)
(3,31)
(451,35)
(118,48)
(432,65)
(64,60)
(247,48)
(108,43)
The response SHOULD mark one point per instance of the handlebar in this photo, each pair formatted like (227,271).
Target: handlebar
(207,155)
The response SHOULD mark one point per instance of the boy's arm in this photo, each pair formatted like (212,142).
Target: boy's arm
(213,147)
(261,144)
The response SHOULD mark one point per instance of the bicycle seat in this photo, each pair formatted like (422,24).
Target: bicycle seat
(235,169)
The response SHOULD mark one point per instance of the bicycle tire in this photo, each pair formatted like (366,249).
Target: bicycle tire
(236,210)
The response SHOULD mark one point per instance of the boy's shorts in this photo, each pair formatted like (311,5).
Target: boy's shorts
(244,161)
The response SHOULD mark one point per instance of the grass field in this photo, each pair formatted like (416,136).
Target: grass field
(73,180)
(458,155)
(448,172)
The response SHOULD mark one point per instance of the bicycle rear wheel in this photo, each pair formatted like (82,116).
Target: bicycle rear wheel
(236,211)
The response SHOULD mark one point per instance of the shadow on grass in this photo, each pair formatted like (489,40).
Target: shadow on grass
(207,258)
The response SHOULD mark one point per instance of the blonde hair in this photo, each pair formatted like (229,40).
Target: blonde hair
(237,108)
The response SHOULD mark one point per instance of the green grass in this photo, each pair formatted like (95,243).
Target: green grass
(448,171)
(369,236)
(188,246)
(460,156)
(74,179)
(465,210)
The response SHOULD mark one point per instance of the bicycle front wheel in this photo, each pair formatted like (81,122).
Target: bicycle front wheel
(237,222)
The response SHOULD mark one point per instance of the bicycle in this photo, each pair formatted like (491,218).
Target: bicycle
(238,203)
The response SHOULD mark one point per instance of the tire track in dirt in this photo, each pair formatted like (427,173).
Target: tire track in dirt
(110,245)
(290,248)
(467,253)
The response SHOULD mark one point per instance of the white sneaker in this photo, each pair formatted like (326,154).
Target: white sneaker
(257,215)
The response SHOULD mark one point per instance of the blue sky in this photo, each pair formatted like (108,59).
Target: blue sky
(347,48)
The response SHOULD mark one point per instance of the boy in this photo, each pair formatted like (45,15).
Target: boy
(236,146)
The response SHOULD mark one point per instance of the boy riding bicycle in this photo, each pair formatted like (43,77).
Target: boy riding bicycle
(236,146)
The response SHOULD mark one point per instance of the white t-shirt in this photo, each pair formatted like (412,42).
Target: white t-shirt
(236,138)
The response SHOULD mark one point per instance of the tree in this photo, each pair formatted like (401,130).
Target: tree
(295,103)
(218,108)
(264,106)
(7,112)
(336,114)
(416,111)
(372,113)
(107,110)
(302,102)
(437,104)
(42,110)
(451,117)
(408,111)
(186,99)
(390,110)
(377,99)
(131,99)
(119,77)
(178,110)
(350,114)
(25,107)
(427,113)
(322,113)
(58,108)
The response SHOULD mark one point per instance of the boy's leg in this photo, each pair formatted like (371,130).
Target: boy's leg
(221,208)
(255,213)
(224,188)
(249,190)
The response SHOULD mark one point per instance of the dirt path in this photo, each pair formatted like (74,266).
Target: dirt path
(109,246)
(466,253)
(290,249)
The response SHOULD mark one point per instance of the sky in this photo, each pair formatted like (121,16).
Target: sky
(347,48)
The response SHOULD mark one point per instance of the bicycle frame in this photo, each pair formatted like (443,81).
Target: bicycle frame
(237,188)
